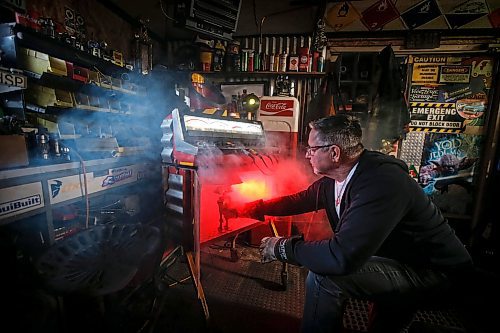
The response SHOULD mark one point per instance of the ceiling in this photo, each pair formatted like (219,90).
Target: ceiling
(299,16)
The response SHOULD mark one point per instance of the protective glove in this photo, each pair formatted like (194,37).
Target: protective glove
(267,247)
(279,248)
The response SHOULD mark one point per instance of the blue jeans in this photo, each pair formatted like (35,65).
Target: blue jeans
(395,289)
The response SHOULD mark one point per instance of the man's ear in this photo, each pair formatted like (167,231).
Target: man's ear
(335,153)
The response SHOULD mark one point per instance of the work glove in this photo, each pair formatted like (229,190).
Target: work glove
(267,247)
(279,248)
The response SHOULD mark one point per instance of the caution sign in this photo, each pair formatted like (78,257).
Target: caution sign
(436,116)
(425,73)
(454,74)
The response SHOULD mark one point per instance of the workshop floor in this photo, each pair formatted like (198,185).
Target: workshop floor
(247,296)
(242,295)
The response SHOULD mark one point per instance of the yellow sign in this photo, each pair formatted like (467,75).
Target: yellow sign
(425,73)
(341,15)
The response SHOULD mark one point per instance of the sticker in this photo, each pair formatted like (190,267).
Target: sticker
(454,74)
(341,15)
(471,108)
(20,199)
(421,14)
(424,94)
(379,14)
(494,18)
(466,12)
(435,115)
(425,73)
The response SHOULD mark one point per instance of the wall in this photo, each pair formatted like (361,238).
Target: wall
(100,23)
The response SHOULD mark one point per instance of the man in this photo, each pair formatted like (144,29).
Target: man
(391,245)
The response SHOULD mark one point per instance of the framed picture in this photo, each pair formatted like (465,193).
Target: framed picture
(229,88)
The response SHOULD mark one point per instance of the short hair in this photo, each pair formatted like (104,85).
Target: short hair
(341,130)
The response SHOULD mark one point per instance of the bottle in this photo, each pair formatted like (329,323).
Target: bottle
(257,61)
(321,61)
(219,53)
(233,106)
(284,56)
(265,57)
(251,61)
(303,56)
(271,55)
(233,57)
(293,59)
(277,56)
(244,60)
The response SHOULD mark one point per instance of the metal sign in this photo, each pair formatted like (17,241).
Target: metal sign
(454,74)
(10,81)
(435,115)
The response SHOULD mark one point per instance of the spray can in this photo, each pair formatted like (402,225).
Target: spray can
(251,58)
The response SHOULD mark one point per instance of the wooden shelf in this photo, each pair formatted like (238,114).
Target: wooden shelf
(300,74)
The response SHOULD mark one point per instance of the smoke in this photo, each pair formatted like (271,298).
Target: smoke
(126,118)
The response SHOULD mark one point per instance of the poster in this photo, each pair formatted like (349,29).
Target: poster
(449,94)
(449,159)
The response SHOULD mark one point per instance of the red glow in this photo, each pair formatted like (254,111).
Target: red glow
(252,189)
(239,179)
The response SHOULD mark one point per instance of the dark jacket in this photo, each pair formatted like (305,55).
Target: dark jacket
(384,212)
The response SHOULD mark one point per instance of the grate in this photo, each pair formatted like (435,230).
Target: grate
(411,148)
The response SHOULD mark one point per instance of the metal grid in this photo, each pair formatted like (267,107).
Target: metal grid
(253,284)
(412,148)
(356,317)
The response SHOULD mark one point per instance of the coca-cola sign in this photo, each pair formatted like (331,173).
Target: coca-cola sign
(281,107)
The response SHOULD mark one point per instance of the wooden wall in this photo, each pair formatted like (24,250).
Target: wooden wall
(100,23)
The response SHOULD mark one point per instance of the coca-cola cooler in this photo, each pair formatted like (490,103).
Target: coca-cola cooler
(280,119)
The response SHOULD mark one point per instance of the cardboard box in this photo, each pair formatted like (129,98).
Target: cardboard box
(33,61)
(13,151)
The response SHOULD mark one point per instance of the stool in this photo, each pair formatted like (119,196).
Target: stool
(98,261)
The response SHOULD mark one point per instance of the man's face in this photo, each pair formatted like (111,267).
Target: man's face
(320,158)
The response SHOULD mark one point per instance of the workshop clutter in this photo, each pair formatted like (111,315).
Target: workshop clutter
(266,54)
(71,35)
(43,66)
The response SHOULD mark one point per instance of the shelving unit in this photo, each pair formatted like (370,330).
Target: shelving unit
(264,74)
(69,86)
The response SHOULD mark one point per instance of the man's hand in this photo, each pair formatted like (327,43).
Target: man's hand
(250,209)
(266,248)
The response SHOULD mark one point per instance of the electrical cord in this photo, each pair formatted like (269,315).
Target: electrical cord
(85,188)
(165,13)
